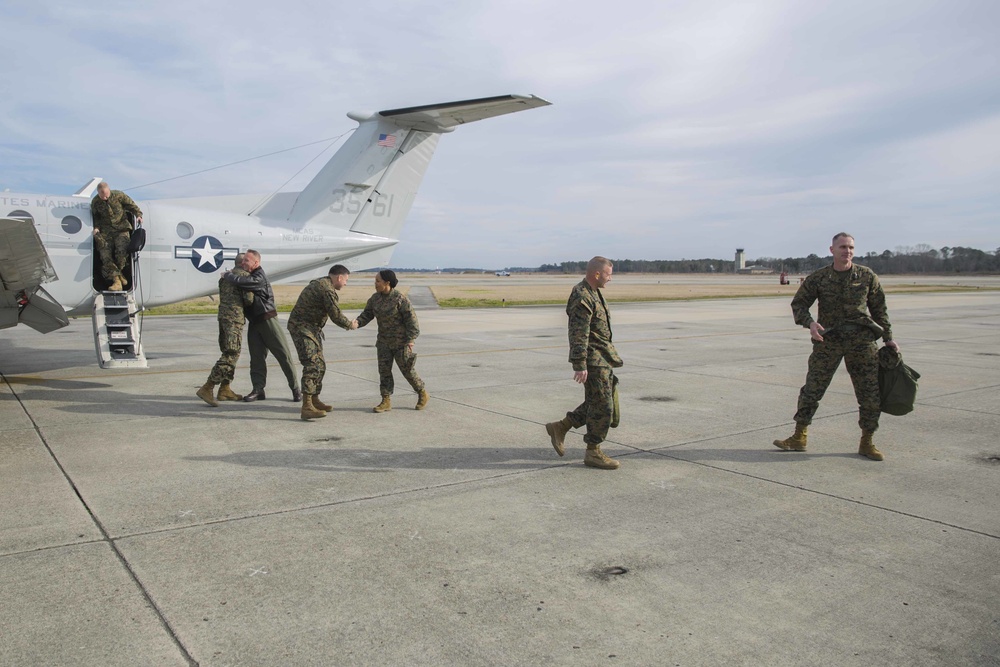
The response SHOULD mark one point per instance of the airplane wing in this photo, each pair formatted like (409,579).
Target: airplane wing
(24,266)
(445,117)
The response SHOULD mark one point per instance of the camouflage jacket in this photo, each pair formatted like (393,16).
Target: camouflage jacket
(397,322)
(233,301)
(109,215)
(317,302)
(590,329)
(845,297)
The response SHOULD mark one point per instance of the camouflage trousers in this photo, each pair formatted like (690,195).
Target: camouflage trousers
(860,356)
(599,408)
(230,344)
(264,337)
(406,360)
(112,248)
(309,345)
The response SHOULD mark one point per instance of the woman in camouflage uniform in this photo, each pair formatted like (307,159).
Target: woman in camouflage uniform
(397,331)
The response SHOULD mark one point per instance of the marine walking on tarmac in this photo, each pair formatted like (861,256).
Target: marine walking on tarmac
(317,302)
(112,232)
(264,333)
(232,305)
(593,356)
(397,331)
(852,316)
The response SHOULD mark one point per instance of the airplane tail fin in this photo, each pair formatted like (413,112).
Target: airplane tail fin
(369,185)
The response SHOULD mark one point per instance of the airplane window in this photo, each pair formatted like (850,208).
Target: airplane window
(20,215)
(184,230)
(71,224)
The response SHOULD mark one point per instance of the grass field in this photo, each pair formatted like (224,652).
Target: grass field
(456,296)
(484,291)
(352,297)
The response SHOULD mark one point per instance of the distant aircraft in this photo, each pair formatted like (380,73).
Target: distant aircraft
(351,213)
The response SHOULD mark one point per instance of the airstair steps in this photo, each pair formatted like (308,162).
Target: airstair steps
(116,331)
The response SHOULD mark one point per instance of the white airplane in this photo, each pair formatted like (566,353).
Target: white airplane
(351,213)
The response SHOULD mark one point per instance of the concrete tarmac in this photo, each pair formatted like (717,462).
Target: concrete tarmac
(143,527)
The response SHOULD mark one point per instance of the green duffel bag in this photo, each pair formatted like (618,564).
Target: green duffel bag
(897,383)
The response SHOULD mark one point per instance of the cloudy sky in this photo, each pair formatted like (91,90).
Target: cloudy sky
(679,128)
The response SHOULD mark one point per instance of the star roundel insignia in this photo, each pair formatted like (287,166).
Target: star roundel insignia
(206,253)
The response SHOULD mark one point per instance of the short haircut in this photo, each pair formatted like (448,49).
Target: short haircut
(339,270)
(239,257)
(389,276)
(840,234)
(598,264)
(103,185)
(253,253)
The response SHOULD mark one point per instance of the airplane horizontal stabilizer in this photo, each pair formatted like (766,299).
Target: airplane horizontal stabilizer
(445,117)
(87,191)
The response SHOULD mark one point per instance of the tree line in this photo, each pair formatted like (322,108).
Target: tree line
(917,259)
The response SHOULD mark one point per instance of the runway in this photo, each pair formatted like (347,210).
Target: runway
(143,527)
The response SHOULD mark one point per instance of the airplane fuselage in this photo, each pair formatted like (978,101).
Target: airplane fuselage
(187,247)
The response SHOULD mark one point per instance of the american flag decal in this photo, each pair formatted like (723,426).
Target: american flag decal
(387,140)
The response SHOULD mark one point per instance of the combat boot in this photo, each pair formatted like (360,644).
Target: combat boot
(207,394)
(227,394)
(867,449)
(422,399)
(557,432)
(320,405)
(309,411)
(595,458)
(797,441)
(384,406)
(116,286)
(124,281)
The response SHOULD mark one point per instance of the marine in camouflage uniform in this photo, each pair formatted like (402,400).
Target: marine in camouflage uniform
(232,301)
(397,330)
(593,356)
(316,303)
(852,316)
(112,231)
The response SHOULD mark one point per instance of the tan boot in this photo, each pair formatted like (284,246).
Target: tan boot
(557,432)
(124,281)
(867,449)
(207,394)
(422,399)
(797,441)
(309,410)
(384,406)
(227,394)
(320,405)
(116,286)
(595,458)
